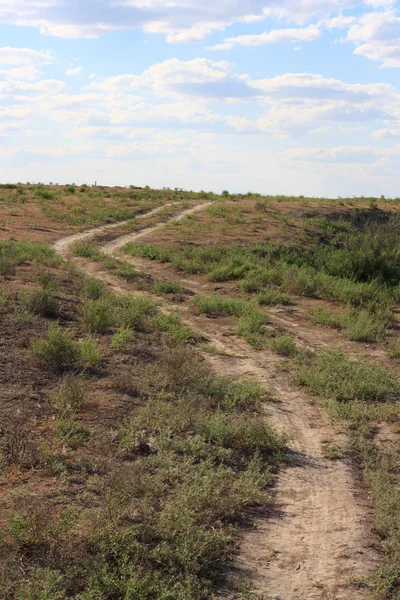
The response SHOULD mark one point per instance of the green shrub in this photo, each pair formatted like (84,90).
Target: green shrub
(90,352)
(59,352)
(70,396)
(132,311)
(284,345)
(166,287)
(69,430)
(98,316)
(172,325)
(364,326)
(216,305)
(320,316)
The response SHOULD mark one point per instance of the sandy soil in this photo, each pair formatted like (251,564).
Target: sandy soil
(316,543)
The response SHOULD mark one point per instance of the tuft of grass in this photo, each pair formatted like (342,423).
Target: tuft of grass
(133,311)
(86,250)
(166,287)
(42,302)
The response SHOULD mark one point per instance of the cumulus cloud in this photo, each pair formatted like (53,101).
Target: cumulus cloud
(377,37)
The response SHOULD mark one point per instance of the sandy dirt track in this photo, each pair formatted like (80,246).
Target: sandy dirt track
(315,543)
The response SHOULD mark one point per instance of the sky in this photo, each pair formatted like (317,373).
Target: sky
(269,96)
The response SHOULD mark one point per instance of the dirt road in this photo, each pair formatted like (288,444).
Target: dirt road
(316,544)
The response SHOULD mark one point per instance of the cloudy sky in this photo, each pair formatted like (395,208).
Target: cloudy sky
(274,96)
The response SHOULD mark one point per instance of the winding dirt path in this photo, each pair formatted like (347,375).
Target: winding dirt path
(316,543)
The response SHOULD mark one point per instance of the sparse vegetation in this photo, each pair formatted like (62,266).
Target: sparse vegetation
(136,462)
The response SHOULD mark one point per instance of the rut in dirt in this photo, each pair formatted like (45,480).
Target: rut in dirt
(316,543)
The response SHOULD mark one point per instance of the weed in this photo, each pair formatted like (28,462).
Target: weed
(172,325)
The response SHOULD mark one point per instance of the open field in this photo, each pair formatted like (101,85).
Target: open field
(200,401)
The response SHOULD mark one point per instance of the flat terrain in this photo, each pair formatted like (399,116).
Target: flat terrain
(199,395)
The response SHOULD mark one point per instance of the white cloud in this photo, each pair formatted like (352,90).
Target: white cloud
(73,72)
(179,20)
(23,56)
(377,37)
(276,36)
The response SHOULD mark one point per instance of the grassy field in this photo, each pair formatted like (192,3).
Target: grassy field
(127,464)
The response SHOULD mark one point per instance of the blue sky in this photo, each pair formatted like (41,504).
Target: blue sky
(274,96)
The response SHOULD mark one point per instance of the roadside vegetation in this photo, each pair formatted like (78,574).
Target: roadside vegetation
(137,463)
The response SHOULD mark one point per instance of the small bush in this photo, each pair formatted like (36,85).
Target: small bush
(132,311)
(98,315)
(361,326)
(320,316)
(172,325)
(220,306)
(166,287)
(69,430)
(284,345)
(90,352)
(59,351)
